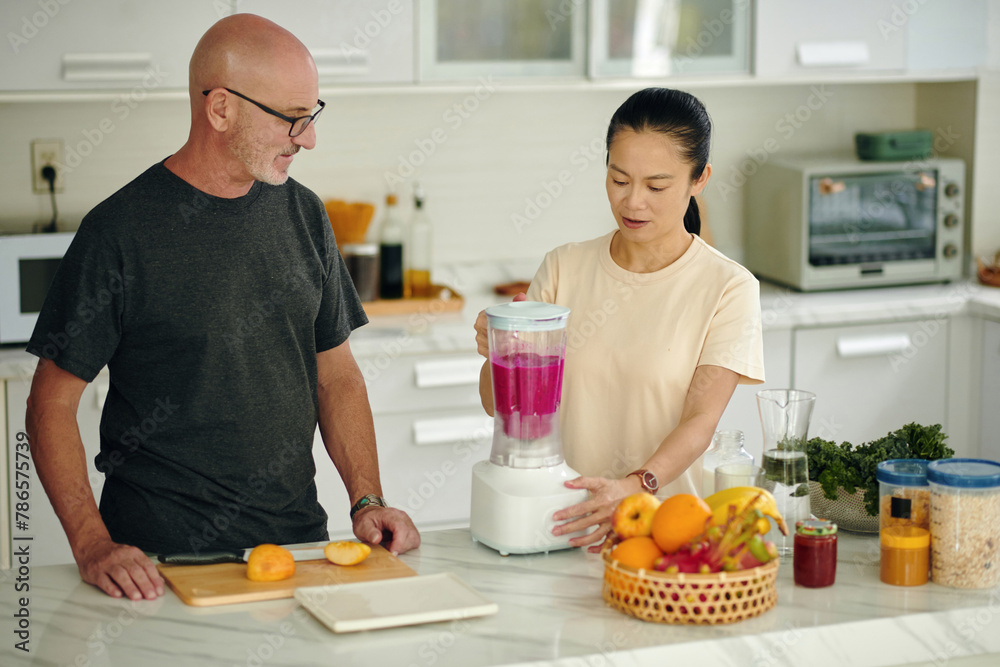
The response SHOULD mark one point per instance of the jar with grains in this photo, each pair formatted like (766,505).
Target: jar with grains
(904,496)
(965,522)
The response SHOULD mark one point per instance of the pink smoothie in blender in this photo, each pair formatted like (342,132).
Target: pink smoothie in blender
(526,388)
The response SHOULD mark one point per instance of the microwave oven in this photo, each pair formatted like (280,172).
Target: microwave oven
(819,223)
(27,265)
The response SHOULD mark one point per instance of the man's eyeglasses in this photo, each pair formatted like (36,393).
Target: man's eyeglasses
(299,124)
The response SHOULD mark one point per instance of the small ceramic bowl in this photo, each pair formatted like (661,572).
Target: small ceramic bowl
(989,274)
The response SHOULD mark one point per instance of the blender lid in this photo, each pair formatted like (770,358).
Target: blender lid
(527,316)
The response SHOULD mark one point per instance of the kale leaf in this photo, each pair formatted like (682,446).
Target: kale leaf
(853,467)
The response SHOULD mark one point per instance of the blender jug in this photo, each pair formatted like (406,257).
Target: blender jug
(518,489)
(527,349)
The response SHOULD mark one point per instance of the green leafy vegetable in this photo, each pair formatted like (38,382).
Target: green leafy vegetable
(852,467)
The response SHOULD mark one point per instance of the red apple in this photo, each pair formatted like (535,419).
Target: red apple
(633,516)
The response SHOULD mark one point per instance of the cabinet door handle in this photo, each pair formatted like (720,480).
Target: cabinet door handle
(448,372)
(826,54)
(872,346)
(106,66)
(335,63)
(452,429)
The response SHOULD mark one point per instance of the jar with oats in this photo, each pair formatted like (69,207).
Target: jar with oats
(904,496)
(965,522)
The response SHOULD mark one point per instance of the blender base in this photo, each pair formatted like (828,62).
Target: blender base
(512,507)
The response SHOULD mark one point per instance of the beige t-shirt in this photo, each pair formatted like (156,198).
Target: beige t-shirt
(633,343)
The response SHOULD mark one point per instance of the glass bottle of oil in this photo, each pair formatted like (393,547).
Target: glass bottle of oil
(391,257)
(418,274)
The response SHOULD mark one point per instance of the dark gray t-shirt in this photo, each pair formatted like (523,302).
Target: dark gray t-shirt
(209,313)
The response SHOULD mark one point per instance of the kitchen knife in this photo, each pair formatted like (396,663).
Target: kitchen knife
(234,556)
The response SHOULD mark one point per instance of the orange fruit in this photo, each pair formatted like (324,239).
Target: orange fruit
(638,552)
(269,562)
(346,553)
(679,519)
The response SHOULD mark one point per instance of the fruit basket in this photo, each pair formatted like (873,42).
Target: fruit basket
(694,599)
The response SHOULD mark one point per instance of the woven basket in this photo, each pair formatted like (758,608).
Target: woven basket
(695,599)
(847,511)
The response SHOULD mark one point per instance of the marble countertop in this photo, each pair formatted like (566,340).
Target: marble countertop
(550,613)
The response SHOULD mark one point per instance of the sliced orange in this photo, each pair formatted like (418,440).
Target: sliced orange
(269,562)
(346,553)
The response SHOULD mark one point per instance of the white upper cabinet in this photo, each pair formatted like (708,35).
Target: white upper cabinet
(942,35)
(795,37)
(352,41)
(503,38)
(105,44)
(666,38)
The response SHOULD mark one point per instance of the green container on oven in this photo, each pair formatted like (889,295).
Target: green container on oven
(901,145)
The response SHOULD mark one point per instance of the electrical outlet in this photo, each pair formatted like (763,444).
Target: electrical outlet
(46,152)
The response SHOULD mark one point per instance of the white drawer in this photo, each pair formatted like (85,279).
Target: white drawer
(425,382)
(425,461)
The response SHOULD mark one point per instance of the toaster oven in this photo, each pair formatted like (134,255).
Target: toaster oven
(821,223)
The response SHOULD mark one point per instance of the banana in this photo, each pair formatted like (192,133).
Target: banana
(743,497)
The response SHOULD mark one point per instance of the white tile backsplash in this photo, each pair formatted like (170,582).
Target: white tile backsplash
(483,160)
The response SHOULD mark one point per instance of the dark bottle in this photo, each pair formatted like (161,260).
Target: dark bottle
(390,248)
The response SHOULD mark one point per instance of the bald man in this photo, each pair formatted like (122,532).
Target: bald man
(212,289)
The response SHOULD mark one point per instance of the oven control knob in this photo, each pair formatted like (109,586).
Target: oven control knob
(951,189)
(950,220)
(950,250)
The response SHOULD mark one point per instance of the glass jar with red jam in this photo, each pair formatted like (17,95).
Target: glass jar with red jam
(814,560)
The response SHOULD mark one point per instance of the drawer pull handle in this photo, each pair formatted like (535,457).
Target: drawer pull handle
(106,66)
(872,346)
(448,372)
(452,429)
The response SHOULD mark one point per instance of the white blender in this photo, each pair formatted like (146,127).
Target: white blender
(515,493)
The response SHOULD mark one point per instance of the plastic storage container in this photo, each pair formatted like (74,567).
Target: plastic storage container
(904,495)
(814,560)
(905,555)
(965,522)
(727,447)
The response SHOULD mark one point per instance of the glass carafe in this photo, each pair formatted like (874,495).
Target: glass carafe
(784,416)
(727,447)
(527,342)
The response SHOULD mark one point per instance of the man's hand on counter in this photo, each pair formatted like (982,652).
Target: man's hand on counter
(120,569)
(388,526)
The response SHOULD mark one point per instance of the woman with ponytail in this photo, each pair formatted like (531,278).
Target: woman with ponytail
(662,327)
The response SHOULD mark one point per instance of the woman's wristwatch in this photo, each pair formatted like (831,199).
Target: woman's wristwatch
(370,500)
(647,479)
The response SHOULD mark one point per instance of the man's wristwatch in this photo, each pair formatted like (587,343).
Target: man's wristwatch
(370,500)
(647,479)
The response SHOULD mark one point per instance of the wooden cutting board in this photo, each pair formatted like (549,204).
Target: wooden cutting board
(227,583)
